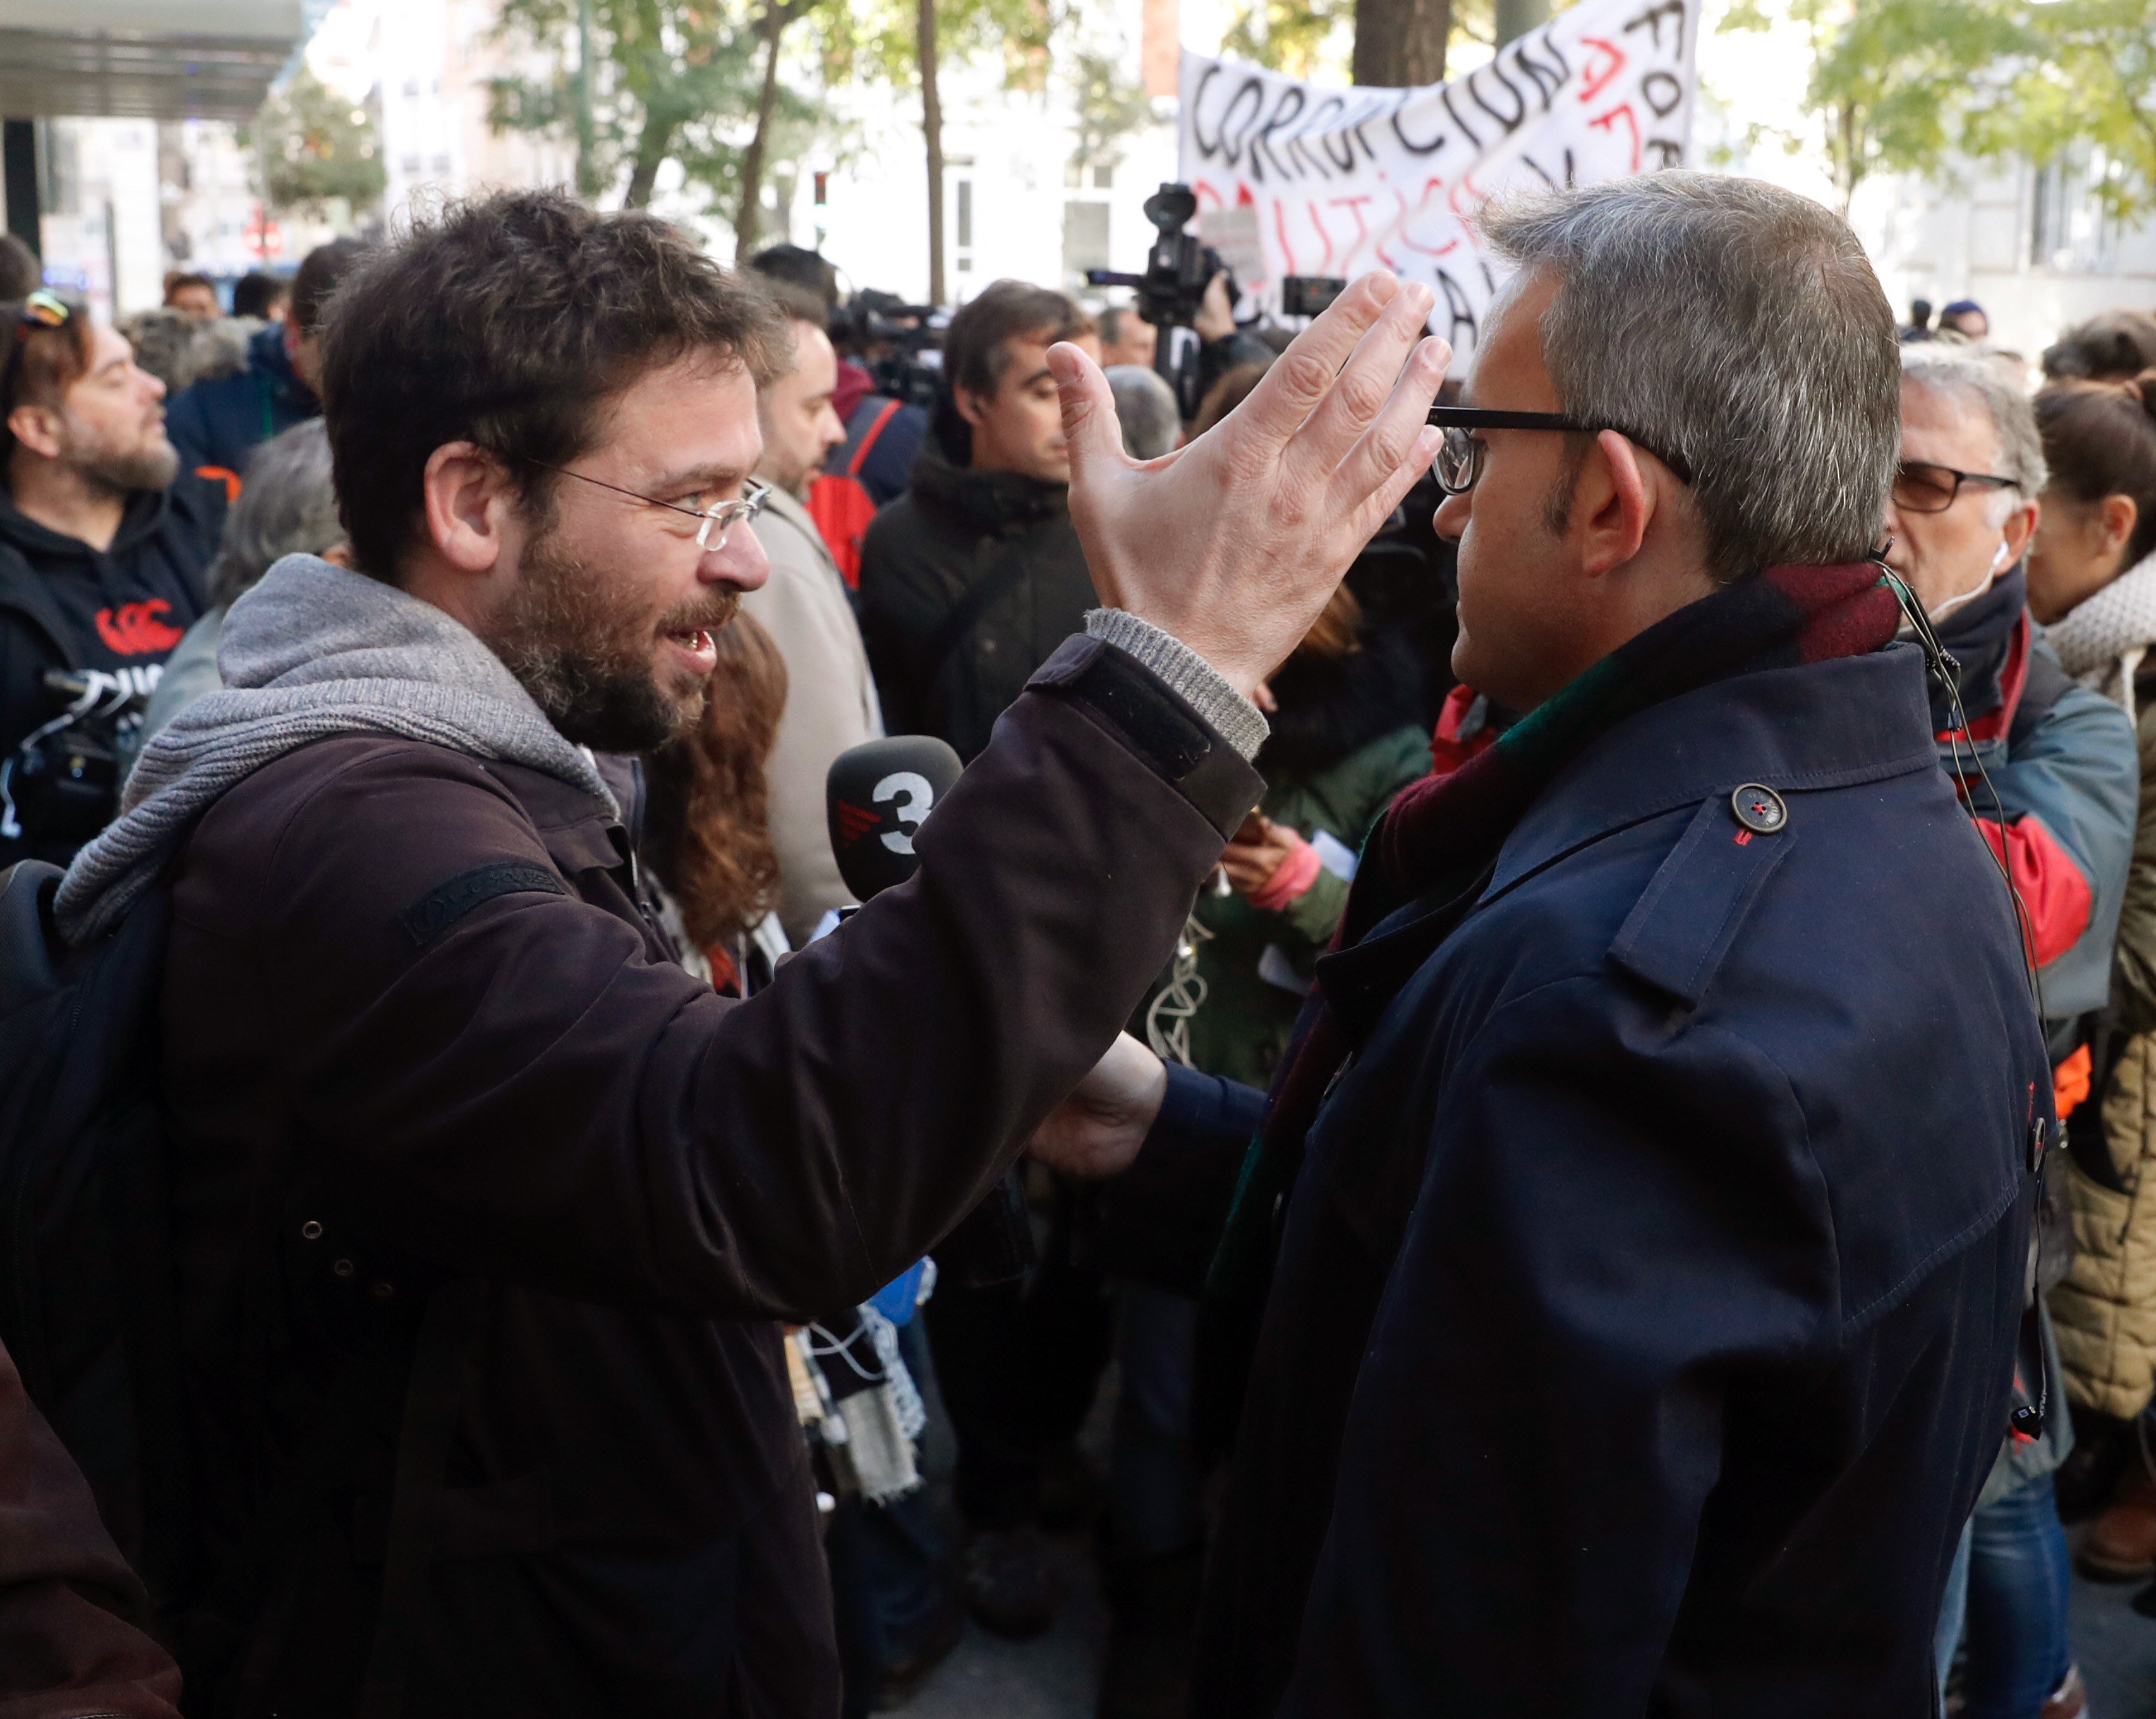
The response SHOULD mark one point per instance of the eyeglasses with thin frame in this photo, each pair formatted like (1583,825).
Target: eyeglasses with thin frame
(1921,487)
(719,518)
(1460,455)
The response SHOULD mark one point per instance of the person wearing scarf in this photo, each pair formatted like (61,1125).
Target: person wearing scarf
(1621,1296)
(2092,583)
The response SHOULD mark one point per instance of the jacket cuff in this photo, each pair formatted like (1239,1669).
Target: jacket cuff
(1196,681)
(1161,1220)
(1120,695)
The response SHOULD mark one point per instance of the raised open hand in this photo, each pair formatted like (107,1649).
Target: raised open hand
(1235,542)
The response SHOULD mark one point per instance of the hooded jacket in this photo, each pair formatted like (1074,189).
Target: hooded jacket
(121,609)
(220,421)
(968,581)
(418,1033)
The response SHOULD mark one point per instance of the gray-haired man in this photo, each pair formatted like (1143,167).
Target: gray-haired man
(1644,1205)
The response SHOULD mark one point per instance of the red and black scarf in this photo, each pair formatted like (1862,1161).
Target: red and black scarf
(1442,836)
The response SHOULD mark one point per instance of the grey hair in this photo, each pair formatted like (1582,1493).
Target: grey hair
(1736,325)
(1145,407)
(288,507)
(1973,375)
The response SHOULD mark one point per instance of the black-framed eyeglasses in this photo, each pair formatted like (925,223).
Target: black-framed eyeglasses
(718,519)
(1460,454)
(1921,487)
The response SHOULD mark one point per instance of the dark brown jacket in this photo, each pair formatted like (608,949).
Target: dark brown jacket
(67,1646)
(417,1032)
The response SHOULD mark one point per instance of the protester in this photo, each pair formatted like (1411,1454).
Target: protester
(102,547)
(71,1612)
(218,424)
(420,1050)
(1126,338)
(2093,582)
(2116,346)
(193,296)
(804,608)
(971,581)
(2050,772)
(1145,407)
(261,297)
(1645,1205)
(179,349)
(288,508)
(1965,317)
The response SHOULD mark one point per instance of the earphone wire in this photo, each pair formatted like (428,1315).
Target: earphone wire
(1944,668)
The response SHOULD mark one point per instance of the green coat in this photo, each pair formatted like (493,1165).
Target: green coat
(1242,1026)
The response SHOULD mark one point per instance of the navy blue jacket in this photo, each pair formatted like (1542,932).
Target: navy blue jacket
(220,421)
(1644,1313)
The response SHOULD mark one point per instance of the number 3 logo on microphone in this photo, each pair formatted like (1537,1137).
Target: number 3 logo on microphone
(915,797)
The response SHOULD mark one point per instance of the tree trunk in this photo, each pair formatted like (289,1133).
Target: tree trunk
(748,219)
(651,146)
(931,130)
(1399,43)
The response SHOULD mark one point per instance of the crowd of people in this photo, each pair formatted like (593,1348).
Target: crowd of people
(559,1170)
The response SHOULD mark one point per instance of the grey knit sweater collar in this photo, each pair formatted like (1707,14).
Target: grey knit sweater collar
(312,651)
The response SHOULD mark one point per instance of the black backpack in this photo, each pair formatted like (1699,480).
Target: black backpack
(89,1306)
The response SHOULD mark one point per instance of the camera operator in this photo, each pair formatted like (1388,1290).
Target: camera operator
(420,1050)
(103,544)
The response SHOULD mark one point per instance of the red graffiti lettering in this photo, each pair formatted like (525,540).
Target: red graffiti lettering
(134,630)
(1400,231)
(1599,76)
(1608,122)
(1353,205)
(1280,231)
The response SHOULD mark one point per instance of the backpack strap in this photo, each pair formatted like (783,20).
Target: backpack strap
(1001,578)
(869,437)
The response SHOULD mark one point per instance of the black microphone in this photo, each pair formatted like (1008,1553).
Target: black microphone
(876,797)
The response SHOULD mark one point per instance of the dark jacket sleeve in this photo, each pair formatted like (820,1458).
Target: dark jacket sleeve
(527,1095)
(1538,1418)
(1161,1218)
(66,1645)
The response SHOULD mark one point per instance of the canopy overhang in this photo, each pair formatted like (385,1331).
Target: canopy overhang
(209,59)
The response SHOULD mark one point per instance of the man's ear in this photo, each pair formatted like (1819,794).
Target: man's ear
(971,406)
(2019,527)
(469,501)
(2117,515)
(36,428)
(1612,503)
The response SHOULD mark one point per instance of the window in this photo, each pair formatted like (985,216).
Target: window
(965,215)
(1104,178)
(1085,240)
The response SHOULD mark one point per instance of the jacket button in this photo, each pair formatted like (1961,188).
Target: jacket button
(343,1268)
(1759,808)
(383,1291)
(310,1231)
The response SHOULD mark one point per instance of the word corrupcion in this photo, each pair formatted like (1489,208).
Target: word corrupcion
(1295,179)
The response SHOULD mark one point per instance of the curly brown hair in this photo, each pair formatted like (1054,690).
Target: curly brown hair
(708,822)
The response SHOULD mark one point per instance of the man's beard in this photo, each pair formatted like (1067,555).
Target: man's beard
(589,665)
(119,471)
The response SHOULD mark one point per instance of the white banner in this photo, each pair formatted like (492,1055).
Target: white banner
(1295,179)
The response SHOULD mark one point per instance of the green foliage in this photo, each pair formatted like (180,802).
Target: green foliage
(875,39)
(2088,81)
(1907,85)
(1111,104)
(1291,36)
(673,79)
(312,145)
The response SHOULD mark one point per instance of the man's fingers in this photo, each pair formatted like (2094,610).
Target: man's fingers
(1378,505)
(1089,413)
(1367,384)
(1293,386)
(1392,441)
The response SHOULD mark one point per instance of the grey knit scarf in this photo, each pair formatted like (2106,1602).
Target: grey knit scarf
(312,651)
(2102,641)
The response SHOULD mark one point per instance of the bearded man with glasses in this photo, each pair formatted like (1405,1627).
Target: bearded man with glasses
(485,1211)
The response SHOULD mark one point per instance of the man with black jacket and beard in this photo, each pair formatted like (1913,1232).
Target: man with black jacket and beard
(975,576)
(485,1211)
(102,549)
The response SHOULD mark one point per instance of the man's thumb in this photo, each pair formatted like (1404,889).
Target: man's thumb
(1089,409)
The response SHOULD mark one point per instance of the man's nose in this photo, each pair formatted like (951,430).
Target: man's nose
(1451,521)
(740,562)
